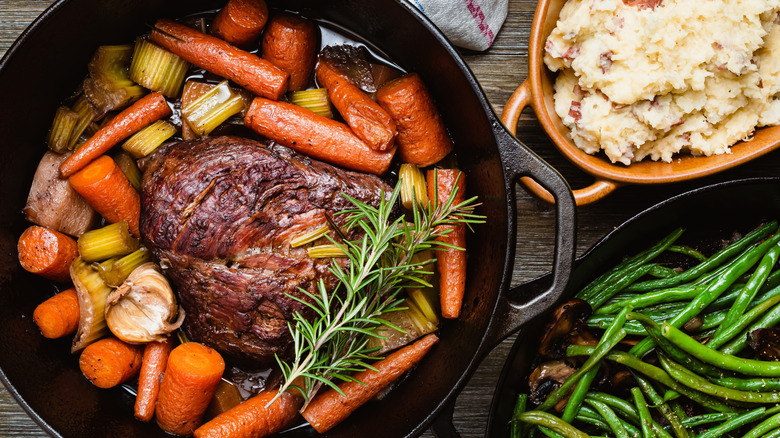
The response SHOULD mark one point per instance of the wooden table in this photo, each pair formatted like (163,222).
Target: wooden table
(500,70)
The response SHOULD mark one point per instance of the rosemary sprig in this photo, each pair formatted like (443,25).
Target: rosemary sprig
(334,344)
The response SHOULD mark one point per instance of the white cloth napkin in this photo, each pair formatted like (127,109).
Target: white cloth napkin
(471,24)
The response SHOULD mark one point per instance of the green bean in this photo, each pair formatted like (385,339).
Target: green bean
(751,288)
(552,422)
(645,419)
(604,321)
(658,375)
(714,417)
(713,290)
(654,331)
(693,381)
(617,404)
(773,434)
(761,384)
(550,433)
(769,319)
(742,322)
(734,423)
(610,417)
(663,408)
(593,422)
(678,293)
(687,250)
(627,265)
(713,262)
(766,426)
(708,355)
(618,285)
(766,292)
(611,337)
(659,271)
(516,428)
(578,395)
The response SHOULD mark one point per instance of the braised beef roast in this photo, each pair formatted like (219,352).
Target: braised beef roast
(219,214)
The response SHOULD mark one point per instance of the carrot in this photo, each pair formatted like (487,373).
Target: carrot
(240,21)
(110,362)
(137,116)
(59,315)
(316,136)
(252,419)
(47,253)
(422,138)
(290,43)
(155,359)
(331,408)
(367,119)
(219,57)
(191,377)
(106,188)
(451,263)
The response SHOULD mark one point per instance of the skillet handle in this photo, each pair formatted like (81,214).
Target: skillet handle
(512,311)
(521,98)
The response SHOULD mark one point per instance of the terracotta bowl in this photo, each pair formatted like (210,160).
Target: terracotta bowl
(537,91)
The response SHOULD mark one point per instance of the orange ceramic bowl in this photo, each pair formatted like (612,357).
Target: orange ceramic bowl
(537,91)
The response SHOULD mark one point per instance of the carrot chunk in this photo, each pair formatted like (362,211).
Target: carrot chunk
(155,359)
(47,253)
(59,315)
(190,380)
(451,263)
(137,116)
(110,362)
(240,22)
(331,408)
(252,419)
(290,43)
(106,188)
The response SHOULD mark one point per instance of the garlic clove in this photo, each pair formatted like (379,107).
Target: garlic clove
(143,308)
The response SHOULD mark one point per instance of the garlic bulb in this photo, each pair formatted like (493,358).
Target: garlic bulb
(143,308)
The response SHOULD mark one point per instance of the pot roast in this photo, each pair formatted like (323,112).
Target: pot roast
(219,213)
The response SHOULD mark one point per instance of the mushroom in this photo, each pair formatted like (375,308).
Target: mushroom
(567,327)
(766,343)
(547,377)
(143,308)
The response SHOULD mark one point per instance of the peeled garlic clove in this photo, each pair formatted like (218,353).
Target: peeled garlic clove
(143,308)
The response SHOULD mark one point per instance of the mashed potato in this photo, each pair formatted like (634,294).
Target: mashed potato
(652,82)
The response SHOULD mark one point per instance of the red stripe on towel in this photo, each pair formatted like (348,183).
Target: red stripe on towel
(479,17)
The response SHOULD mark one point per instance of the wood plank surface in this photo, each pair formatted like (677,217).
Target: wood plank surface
(500,70)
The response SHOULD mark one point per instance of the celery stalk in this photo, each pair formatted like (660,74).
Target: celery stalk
(212,108)
(157,69)
(87,114)
(413,186)
(145,141)
(316,100)
(129,167)
(65,121)
(309,237)
(325,251)
(116,272)
(110,241)
(92,292)
(109,86)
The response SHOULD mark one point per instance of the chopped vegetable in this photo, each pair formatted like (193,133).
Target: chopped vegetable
(157,69)
(86,115)
(225,398)
(190,380)
(145,141)
(92,292)
(309,237)
(129,167)
(110,362)
(109,192)
(212,108)
(325,251)
(116,270)
(330,408)
(316,100)
(240,22)
(146,111)
(65,121)
(103,243)
(422,298)
(407,325)
(414,189)
(290,42)
(143,308)
(109,86)
(59,315)
(254,418)
(155,359)
(47,253)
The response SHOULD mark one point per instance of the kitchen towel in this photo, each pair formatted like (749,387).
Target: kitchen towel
(471,24)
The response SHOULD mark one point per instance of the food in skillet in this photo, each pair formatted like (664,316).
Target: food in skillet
(653,79)
(247,222)
(670,342)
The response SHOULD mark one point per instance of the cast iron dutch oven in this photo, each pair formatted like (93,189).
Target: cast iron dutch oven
(712,211)
(49,61)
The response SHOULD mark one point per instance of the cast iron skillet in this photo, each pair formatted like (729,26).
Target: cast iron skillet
(716,209)
(49,61)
